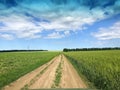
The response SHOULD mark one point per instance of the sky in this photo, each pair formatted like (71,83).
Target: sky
(58,24)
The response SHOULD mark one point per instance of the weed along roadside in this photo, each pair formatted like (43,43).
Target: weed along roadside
(58,75)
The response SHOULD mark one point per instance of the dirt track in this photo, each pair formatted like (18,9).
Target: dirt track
(47,78)
(70,78)
(36,79)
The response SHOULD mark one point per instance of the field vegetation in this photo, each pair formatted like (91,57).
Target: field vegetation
(101,68)
(58,75)
(16,64)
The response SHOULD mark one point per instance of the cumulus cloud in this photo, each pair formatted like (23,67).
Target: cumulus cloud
(20,26)
(57,35)
(24,19)
(67,32)
(30,27)
(112,32)
(6,36)
(54,35)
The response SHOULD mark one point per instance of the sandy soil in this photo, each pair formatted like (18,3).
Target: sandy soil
(18,84)
(47,79)
(69,79)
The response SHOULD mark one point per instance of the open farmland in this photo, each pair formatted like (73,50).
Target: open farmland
(16,64)
(101,68)
(57,73)
(37,70)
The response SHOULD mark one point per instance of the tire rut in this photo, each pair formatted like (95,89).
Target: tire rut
(47,78)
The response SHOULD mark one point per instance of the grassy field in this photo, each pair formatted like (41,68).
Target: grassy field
(101,68)
(16,64)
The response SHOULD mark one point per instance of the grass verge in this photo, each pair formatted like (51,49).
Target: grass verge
(58,75)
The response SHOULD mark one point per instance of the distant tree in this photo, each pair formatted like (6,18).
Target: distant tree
(90,49)
(20,50)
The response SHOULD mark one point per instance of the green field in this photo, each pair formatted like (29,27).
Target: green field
(101,68)
(16,64)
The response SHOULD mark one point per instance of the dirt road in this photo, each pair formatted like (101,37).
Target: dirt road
(47,78)
(70,78)
(44,76)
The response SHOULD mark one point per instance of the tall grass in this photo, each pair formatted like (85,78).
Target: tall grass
(102,68)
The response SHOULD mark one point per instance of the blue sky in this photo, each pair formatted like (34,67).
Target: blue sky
(58,24)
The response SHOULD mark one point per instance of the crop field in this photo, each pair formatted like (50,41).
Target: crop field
(16,64)
(80,70)
(101,68)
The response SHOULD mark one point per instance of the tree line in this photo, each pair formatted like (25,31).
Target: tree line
(90,49)
(20,50)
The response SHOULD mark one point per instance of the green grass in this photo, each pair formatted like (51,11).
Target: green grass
(58,76)
(101,68)
(16,64)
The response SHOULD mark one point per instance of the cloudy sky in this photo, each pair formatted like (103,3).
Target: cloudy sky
(58,24)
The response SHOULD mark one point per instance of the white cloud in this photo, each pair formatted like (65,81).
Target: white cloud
(66,18)
(112,32)
(23,26)
(55,35)
(6,36)
(20,26)
(67,32)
